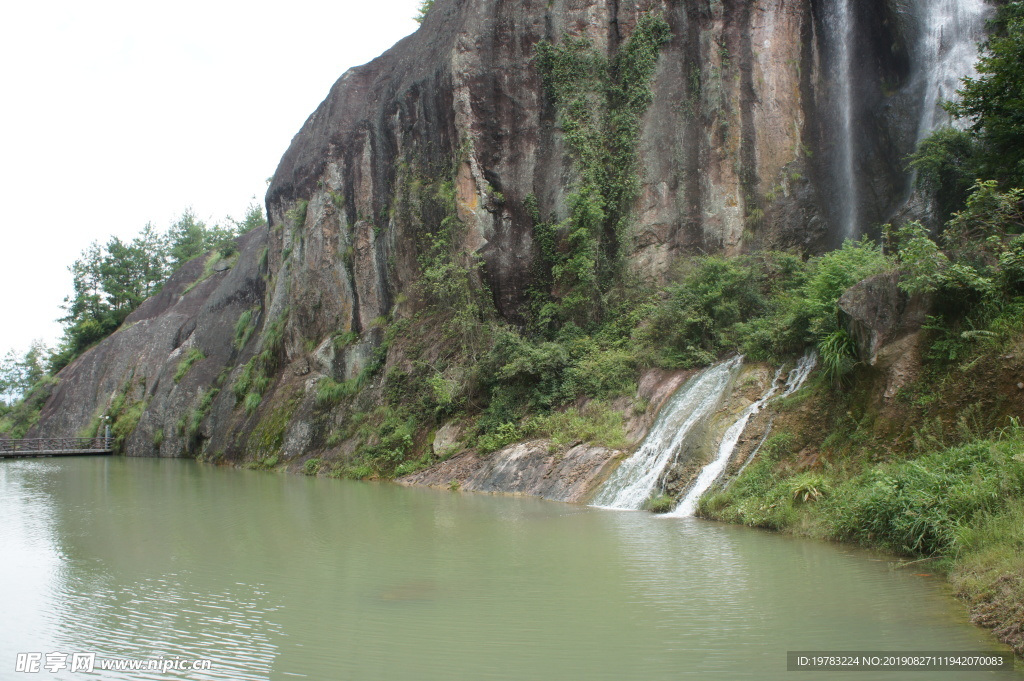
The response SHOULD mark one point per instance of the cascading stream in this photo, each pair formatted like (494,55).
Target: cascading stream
(633,481)
(946,52)
(840,25)
(713,471)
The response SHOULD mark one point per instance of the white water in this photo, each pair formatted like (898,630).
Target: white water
(946,52)
(713,471)
(840,24)
(634,480)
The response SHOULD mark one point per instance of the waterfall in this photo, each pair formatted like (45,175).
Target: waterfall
(634,480)
(839,24)
(946,52)
(713,471)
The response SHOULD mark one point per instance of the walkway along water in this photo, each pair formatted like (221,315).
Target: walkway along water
(56,446)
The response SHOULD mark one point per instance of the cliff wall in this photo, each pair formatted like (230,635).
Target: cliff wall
(735,152)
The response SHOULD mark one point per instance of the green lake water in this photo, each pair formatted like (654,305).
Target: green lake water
(285,577)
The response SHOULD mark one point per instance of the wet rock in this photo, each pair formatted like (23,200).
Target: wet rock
(534,468)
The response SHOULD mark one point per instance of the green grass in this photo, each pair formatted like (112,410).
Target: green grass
(191,357)
(330,392)
(660,503)
(252,402)
(596,423)
(244,328)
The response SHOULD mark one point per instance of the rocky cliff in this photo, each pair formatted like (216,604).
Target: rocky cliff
(457,133)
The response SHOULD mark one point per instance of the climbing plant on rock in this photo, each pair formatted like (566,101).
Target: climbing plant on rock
(600,103)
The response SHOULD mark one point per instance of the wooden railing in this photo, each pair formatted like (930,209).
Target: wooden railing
(56,445)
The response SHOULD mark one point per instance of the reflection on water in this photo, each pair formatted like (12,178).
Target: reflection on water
(280,577)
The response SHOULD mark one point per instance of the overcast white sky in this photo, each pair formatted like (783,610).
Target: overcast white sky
(114,113)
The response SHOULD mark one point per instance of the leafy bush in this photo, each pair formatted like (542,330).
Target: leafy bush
(502,436)
(704,312)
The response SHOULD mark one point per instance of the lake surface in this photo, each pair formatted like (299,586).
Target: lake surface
(284,577)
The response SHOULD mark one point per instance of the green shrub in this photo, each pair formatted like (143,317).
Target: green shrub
(329,392)
(595,422)
(252,402)
(502,436)
(297,214)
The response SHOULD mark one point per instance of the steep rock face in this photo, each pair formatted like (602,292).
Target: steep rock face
(877,312)
(736,149)
(735,152)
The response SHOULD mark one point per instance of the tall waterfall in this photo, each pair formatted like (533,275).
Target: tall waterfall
(634,480)
(839,23)
(714,470)
(946,52)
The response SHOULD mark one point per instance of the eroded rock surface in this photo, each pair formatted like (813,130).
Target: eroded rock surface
(532,468)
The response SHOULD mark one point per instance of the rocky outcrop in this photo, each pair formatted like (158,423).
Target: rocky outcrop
(877,313)
(885,325)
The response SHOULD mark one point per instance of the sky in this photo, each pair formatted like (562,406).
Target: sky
(117,113)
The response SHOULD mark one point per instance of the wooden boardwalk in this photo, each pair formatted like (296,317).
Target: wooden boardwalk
(56,446)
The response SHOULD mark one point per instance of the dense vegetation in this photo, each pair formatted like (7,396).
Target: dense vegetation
(938,473)
(593,326)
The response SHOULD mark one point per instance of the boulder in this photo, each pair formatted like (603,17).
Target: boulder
(877,312)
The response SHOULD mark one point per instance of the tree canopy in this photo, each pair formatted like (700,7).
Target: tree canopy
(111,280)
(991,146)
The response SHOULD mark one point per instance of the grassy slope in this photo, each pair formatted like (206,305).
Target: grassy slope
(936,472)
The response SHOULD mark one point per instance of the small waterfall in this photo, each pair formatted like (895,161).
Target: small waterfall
(946,52)
(634,480)
(839,23)
(713,471)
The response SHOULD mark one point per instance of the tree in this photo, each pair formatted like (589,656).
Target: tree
(124,271)
(994,101)
(253,218)
(421,14)
(950,160)
(153,245)
(187,239)
(111,281)
(19,375)
(87,277)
